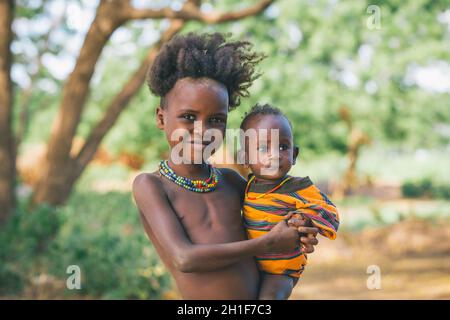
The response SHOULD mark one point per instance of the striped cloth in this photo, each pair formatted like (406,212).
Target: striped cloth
(260,215)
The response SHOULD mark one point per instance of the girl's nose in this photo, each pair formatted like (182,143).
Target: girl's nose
(198,130)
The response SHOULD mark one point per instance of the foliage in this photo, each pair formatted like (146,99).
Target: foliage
(100,233)
(321,56)
(425,188)
(24,239)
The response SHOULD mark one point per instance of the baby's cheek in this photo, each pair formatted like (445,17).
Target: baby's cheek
(256,169)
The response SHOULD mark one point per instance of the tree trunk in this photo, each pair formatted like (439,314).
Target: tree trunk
(7,150)
(52,186)
(117,105)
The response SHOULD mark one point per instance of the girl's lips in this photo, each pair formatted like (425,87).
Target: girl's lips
(200,142)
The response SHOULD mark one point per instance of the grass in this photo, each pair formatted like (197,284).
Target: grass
(100,233)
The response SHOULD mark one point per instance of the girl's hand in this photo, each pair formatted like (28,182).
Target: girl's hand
(282,238)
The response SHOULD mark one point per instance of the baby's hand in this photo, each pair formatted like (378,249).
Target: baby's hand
(308,242)
(307,233)
(299,220)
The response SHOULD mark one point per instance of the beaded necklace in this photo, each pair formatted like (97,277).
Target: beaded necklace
(200,186)
(266,193)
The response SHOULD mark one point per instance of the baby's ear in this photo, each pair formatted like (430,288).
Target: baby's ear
(295,155)
(159,118)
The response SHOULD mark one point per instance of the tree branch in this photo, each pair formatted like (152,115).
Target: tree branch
(192,12)
(121,100)
(27,93)
(61,169)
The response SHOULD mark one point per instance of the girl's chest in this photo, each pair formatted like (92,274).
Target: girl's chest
(209,217)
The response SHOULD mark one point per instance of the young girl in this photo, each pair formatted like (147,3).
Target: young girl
(271,194)
(192,211)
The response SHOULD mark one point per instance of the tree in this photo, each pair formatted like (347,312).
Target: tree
(322,55)
(61,168)
(7,150)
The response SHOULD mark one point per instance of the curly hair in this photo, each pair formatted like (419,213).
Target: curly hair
(231,63)
(262,109)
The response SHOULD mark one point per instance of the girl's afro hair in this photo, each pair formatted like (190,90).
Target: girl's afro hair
(231,63)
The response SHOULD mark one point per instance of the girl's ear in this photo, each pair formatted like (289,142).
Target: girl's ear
(160,118)
(295,155)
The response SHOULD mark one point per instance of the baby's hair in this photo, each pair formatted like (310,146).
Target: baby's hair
(262,109)
(231,63)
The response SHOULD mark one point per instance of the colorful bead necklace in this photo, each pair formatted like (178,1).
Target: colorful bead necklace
(200,186)
(266,193)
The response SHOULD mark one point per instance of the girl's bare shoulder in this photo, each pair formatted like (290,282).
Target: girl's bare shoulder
(147,181)
(234,178)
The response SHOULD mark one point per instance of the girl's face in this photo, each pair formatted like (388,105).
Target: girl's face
(192,107)
(270,157)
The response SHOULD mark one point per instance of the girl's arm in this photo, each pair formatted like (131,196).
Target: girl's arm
(188,257)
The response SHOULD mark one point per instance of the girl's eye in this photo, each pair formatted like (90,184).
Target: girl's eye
(283,147)
(216,120)
(189,117)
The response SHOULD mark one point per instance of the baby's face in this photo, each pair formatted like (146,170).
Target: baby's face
(270,157)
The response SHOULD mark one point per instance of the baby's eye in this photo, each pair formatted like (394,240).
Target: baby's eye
(188,116)
(283,147)
(262,148)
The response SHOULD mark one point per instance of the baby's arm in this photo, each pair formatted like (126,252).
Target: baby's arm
(316,207)
(188,257)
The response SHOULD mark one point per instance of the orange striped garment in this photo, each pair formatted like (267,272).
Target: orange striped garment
(261,214)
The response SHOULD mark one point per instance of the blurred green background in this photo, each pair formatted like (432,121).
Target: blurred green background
(366,85)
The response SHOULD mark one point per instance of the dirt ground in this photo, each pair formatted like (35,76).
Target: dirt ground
(413,257)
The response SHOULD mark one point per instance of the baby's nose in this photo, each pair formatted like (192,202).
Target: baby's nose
(274,154)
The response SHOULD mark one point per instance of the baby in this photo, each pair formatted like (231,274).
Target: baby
(271,194)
